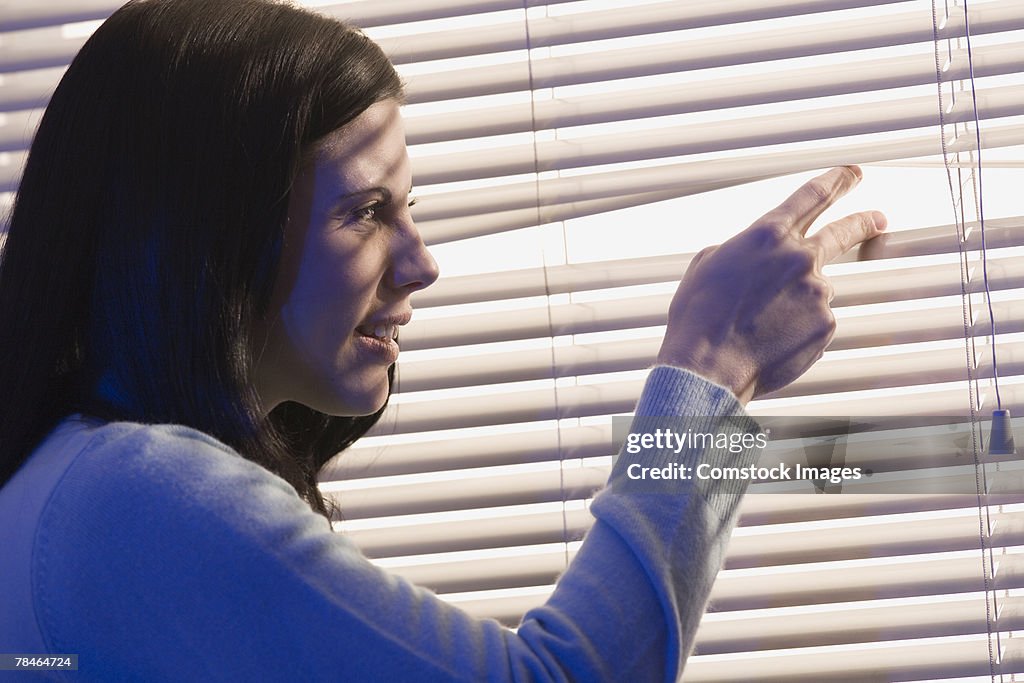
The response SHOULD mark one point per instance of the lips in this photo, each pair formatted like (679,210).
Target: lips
(379,331)
(384,327)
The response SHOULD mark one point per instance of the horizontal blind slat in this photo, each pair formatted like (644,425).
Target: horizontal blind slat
(650,311)
(455,215)
(620,397)
(576,277)
(794,84)
(38,48)
(368,13)
(699,138)
(713,93)
(760,46)
(601,24)
(902,662)
(793,550)
(28,14)
(938,464)
(28,89)
(806,586)
(829,375)
(865,624)
(795,558)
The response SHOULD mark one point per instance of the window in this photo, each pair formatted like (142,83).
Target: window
(569,158)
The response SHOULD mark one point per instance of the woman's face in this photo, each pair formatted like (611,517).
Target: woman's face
(351,259)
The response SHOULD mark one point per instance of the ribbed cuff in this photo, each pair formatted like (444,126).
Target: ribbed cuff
(686,404)
(674,391)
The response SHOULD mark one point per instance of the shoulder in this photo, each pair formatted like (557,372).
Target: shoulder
(161,522)
(132,439)
(130,479)
(148,462)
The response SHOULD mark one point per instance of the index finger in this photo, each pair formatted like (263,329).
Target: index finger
(802,207)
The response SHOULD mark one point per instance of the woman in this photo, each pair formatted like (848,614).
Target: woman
(209,258)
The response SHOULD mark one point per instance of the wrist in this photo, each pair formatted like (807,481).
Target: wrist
(712,364)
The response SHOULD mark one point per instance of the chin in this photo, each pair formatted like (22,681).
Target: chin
(347,401)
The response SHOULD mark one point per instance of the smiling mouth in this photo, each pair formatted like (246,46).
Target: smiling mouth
(381,332)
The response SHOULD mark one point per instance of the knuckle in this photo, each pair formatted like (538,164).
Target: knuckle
(819,191)
(699,257)
(815,288)
(843,239)
(802,260)
(769,232)
(828,326)
(705,252)
(867,224)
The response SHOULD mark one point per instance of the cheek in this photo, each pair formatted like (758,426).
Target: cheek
(333,295)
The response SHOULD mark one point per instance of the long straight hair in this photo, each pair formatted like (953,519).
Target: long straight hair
(147,230)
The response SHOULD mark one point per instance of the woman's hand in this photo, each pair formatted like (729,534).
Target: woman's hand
(752,314)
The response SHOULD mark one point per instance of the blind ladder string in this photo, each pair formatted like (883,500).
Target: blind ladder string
(547,283)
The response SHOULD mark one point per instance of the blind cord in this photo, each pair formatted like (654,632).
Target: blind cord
(981,485)
(980,195)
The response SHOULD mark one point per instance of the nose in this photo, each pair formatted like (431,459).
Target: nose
(413,268)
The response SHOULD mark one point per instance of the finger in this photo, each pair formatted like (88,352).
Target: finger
(840,236)
(798,212)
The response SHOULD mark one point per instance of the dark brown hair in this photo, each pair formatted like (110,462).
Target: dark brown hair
(147,229)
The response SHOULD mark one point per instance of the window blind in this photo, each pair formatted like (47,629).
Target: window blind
(570,157)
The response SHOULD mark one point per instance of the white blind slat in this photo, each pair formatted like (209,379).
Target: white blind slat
(20,15)
(600,25)
(37,48)
(697,138)
(702,53)
(793,551)
(942,659)
(489,208)
(737,91)
(805,585)
(575,277)
(619,397)
(375,13)
(600,316)
(28,89)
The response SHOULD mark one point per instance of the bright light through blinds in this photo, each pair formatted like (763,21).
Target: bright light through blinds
(484,478)
(563,183)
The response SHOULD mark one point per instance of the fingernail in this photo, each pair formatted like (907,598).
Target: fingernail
(856,171)
(881,222)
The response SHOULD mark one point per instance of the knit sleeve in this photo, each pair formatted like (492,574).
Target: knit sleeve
(163,555)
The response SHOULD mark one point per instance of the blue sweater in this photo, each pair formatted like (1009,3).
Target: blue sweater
(155,552)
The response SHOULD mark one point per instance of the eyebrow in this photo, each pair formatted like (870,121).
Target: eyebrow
(385,192)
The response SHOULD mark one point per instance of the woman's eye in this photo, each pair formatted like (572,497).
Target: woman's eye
(365,214)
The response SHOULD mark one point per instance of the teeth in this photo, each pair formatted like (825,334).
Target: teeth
(382,332)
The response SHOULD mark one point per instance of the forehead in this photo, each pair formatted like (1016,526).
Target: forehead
(370,150)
